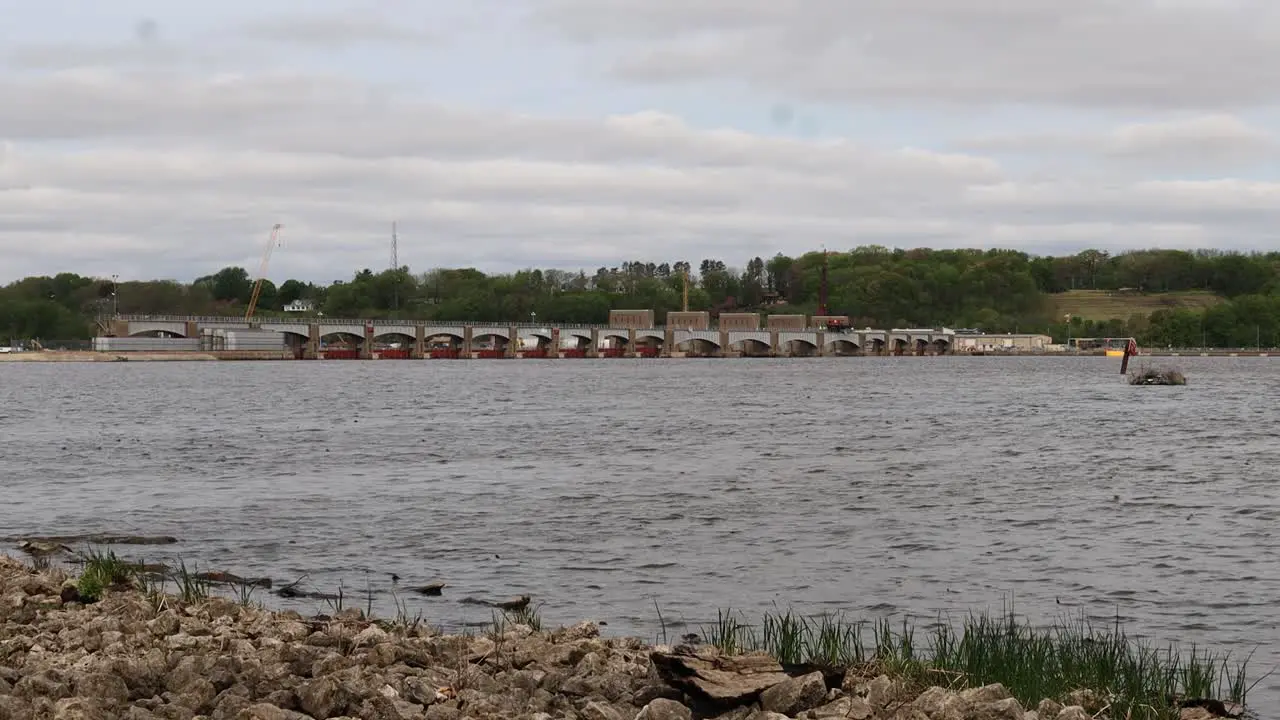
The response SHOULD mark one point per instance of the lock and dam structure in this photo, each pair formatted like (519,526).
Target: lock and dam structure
(630,333)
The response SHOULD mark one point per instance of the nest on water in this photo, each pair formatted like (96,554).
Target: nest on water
(1157,376)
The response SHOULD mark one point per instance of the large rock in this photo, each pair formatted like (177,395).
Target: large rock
(1086,699)
(264,711)
(742,713)
(941,704)
(230,702)
(795,695)
(164,624)
(986,694)
(1006,709)
(380,707)
(197,695)
(1048,709)
(651,691)
(443,712)
(372,635)
(326,697)
(728,679)
(600,711)
(664,709)
(990,702)
(880,692)
(845,708)
(79,709)
(581,631)
(1074,712)
(45,684)
(174,712)
(14,708)
(110,690)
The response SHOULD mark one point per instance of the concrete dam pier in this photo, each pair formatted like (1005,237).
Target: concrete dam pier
(631,333)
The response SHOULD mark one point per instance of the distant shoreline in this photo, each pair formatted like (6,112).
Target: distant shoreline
(89,356)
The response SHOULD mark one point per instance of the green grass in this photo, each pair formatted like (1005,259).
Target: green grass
(1133,678)
(528,616)
(1103,305)
(338,602)
(192,588)
(243,592)
(103,569)
(405,622)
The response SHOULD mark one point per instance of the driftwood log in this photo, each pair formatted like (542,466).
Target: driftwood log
(431,589)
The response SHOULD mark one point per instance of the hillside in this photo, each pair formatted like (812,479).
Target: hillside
(1103,305)
(995,290)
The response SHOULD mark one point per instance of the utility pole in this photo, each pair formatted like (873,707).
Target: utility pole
(822,285)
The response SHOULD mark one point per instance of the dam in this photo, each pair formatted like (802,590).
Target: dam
(629,334)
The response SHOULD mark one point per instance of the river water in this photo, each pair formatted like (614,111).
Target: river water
(876,486)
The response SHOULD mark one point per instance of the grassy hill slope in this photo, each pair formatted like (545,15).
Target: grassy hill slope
(1108,305)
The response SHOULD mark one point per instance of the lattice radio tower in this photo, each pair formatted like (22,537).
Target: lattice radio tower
(395,249)
(395,267)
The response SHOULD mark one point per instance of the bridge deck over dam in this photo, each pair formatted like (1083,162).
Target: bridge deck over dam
(331,337)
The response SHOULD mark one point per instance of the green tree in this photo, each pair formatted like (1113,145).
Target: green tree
(995,290)
(230,284)
(291,290)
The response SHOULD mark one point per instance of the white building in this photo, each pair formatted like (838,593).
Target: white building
(300,306)
(1004,342)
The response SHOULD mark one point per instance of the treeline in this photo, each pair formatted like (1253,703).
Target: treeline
(994,290)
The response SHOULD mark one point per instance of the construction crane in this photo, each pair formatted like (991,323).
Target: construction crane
(685,274)
(262,271)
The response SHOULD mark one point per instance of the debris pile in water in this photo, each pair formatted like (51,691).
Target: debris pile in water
(1157,376)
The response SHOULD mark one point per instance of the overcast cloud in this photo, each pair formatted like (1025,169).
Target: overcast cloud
(154,139)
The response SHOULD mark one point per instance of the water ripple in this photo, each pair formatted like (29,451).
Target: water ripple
(876,486)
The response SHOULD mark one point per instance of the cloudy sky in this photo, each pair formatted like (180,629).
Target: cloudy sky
(163,139)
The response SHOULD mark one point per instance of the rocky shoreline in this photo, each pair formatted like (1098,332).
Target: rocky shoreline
(142,655)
